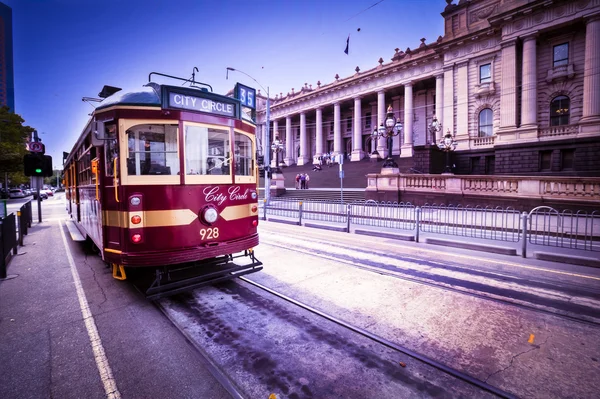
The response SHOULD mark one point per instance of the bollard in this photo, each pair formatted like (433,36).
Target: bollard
(348,218)
(417,220)
(20,219)
(524,235)
(300,213)
(265,209)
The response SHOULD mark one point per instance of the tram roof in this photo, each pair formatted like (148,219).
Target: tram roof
(147,95)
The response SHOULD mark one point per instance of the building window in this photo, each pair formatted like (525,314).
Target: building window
(545,161)
(486,123)
(567,159)
(349,125)
(368,121)
(475,161)
(485,73)
(561,54)
(559,111)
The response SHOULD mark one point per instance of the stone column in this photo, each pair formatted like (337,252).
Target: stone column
(319,132)
(304,150)
(381,143)
(396,140)
(462,100)
(591,74)
(357,150)
(407,148)
(275,135)
(448,113)
(508,86)
(337,130)
(289,142)
(439,104)
(529,91)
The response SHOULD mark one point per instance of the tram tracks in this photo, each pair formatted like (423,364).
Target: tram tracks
(260,345)
(571,302)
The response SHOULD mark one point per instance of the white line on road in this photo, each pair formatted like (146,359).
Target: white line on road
(110,385)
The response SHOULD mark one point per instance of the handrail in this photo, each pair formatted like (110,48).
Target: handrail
(116,178)
(95,171)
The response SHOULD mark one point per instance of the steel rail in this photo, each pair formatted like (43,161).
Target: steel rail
(226,382)
(440,366)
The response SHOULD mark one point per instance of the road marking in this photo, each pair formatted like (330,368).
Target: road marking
(531,338)
(110,385)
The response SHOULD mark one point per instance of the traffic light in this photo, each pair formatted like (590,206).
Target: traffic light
(38,165)
(260,160)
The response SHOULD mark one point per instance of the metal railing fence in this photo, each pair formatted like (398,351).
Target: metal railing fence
(542,226)
(567,229)
(478,222)
(12,229)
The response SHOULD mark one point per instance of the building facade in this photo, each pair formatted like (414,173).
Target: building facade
(7,85)
(515,82)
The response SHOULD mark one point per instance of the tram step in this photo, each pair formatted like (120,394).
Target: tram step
(74,231)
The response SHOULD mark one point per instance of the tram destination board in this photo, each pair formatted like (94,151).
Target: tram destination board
(200,101)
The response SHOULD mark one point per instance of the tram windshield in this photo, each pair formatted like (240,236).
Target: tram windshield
(152,150)
(207,151)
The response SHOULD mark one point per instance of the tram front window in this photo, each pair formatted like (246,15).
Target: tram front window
(243,155)
(152,150)
(206,151)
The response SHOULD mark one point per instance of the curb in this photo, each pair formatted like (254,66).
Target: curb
(570,259)
(476,247)
(403,237)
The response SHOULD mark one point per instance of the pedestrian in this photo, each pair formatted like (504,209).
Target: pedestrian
(297,181)
(306,180)
(302,181)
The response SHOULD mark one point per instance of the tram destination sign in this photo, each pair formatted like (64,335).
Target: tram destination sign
(195,100)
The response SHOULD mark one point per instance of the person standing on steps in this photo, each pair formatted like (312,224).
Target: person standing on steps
(306,180)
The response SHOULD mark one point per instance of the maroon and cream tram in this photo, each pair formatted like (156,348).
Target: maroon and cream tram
(164,182)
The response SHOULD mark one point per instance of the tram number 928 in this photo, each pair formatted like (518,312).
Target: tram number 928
(210,233)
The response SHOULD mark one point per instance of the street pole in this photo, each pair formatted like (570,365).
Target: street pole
(267,147)
(267,135)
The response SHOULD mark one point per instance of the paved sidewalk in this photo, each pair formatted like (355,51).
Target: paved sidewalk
(122,347)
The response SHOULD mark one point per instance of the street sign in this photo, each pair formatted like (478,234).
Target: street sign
(36,147)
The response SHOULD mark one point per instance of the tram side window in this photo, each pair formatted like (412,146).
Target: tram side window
(207,151)
(152,150)
(243,155)
(111,148)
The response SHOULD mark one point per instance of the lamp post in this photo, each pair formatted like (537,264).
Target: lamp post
(390,128)
(447,144)
(267,134)
(434,128)
(277,147)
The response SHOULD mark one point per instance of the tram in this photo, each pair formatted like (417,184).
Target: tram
(164,182)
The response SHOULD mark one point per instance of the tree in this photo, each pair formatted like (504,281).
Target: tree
(13,144)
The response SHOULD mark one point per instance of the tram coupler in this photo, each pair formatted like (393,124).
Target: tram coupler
(175,279)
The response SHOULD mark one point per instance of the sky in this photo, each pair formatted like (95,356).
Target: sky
(65,50)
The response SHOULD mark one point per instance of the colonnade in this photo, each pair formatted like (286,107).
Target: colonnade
(452,93)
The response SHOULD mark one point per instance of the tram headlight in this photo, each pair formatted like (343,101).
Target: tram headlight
(135,201)
(210,215)
(254,195)
(136,219)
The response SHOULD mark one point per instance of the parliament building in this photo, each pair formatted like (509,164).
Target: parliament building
(516,83)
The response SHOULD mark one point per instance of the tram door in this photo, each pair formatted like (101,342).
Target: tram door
(111,201)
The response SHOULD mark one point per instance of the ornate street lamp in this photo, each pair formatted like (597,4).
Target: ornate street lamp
(447,144)
(434,128)
(277,147)
(390,128)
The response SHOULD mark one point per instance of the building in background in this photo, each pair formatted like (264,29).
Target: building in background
(515,82)
(7,82)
